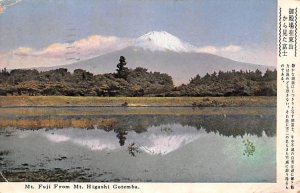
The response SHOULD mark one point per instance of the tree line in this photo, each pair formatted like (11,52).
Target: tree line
(134,82)
(231,83)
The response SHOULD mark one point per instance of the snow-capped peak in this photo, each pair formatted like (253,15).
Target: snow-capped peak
(162,41)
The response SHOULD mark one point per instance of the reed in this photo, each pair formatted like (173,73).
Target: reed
(57,123)
(8,101)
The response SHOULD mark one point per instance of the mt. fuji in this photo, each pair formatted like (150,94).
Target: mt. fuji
(162,41)
(162,52)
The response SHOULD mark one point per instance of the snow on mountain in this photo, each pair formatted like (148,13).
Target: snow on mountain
(161,41)
(164,144)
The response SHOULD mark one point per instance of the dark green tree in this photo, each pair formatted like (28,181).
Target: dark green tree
(122,71)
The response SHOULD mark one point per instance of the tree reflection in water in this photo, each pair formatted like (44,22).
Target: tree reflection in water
(166,129)
(133,149)
(121,135)
(231,125)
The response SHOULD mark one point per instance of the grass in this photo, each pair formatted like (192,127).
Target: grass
(36,118)
(9,101)
(15,113)
(57,123)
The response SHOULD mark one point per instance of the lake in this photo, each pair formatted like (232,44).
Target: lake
(149,147)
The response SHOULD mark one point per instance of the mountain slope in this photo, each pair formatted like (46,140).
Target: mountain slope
(182,66)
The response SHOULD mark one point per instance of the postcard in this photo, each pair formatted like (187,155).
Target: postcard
(149,96)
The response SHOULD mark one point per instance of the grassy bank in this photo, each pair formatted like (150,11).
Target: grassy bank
(57,123)
(42,113)
(9,101)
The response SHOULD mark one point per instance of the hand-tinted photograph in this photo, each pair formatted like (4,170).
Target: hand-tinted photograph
(138,91)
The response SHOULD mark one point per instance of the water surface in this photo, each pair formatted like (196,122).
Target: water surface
(151,148)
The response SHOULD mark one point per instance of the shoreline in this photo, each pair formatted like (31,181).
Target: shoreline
(67,101)
(85,112)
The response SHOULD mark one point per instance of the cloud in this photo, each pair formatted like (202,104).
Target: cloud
(94,45)
(218,50)
(62,53)
(207,49)
(231,48)
(23,51)
(256,54)
(11,61)
(7,3)
(2,9)
(262,54)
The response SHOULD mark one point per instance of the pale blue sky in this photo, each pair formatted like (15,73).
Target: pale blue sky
(38,23)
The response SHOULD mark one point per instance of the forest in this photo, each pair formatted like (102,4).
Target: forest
(134,82)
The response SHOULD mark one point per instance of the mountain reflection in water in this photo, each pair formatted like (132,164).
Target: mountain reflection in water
(159,148)
(154,141)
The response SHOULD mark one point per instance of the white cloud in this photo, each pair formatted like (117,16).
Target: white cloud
(84,48)
(207,49)
(23,51)
(231,48)
(218,50)
(262,54)
(10,60)
(2,9)
(62,53)
(4,4)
